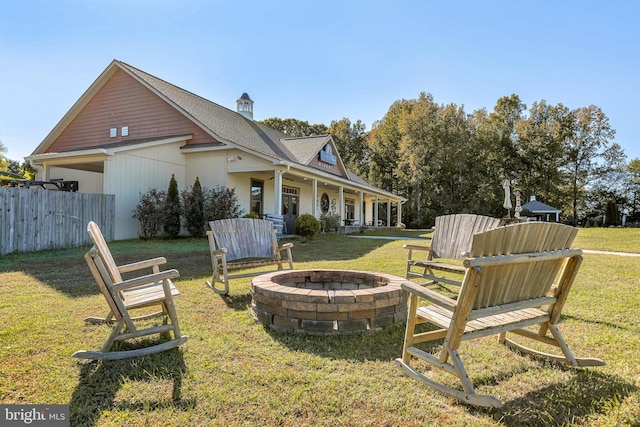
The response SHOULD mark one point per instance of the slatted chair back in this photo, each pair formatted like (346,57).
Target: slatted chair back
(453,234)
(245,237)
(519,278)
(104,281)
(244,243)
(103,252)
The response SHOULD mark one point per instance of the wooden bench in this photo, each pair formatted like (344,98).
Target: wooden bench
(517,276)
(243,243)
(451,239)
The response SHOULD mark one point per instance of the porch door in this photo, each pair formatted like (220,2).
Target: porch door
(290,211)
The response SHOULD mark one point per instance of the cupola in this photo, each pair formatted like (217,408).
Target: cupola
(245,106)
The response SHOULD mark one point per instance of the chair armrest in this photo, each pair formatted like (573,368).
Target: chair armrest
(219,252)
(429,295)
(149,263)
(285,246)
(147,279)
(417,247)
(412,248)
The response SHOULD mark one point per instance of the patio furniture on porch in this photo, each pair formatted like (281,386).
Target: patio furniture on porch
(242,243)
(124,296)
(451,240)
(516,277)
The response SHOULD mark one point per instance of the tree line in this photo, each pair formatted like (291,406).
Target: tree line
(11,170)
(445,160)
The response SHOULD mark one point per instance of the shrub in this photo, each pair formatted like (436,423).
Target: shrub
(612,217)
(330,222)
(221,203)
(193,203)
(251,215)
(150,212)
(307,225)
(172,210)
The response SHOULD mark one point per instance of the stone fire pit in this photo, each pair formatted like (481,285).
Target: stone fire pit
(324,302)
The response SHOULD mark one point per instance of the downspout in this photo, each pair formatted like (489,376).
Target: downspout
(38,169)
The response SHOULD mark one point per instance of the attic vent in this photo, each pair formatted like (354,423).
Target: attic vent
(124,131)
(113,132)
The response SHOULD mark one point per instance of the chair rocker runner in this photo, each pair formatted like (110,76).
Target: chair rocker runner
(239,243)
(451,239)
(515,277)
(123,296)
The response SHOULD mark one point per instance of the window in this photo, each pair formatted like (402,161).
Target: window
(256,196)
(290,190)
(350,208)
(124,131)
(113,132)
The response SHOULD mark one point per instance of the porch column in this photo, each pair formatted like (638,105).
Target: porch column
(314,198)
(107,177)
(399,214)
(389,213)
(358,208)
(277,191)
(375,212)
(341,204)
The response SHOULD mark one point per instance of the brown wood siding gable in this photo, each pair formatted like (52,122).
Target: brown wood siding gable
(325,167)
(123,101)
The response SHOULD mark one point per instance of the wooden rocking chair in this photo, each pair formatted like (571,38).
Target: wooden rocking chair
(239,243)
(516,276)
(125,295)
(451,239)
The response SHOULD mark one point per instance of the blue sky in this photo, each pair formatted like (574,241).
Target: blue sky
(322,60)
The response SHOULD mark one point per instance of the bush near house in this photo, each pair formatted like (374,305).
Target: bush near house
(221,203)
(150,212)
(307,226)
(193,203)
(330,222)
(172,210)
(196,206)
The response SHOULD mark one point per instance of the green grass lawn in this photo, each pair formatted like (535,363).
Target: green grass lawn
(234,372)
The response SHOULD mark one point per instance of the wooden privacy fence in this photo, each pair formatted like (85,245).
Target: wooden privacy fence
(34,220)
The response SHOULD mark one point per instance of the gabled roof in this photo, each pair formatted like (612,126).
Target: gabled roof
(536,206)
(225,124)
(305,149)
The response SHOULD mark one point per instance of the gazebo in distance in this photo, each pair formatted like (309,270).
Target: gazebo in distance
(541,211)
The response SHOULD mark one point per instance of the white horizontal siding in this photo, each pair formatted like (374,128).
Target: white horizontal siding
(88,182)
(129,173)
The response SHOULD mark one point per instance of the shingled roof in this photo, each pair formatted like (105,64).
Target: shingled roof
(227,125)
(538,207)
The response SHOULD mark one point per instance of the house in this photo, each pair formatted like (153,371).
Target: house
(130,131)
(541,211)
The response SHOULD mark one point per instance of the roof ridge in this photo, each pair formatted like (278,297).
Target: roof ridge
(138,70)
(324,135)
